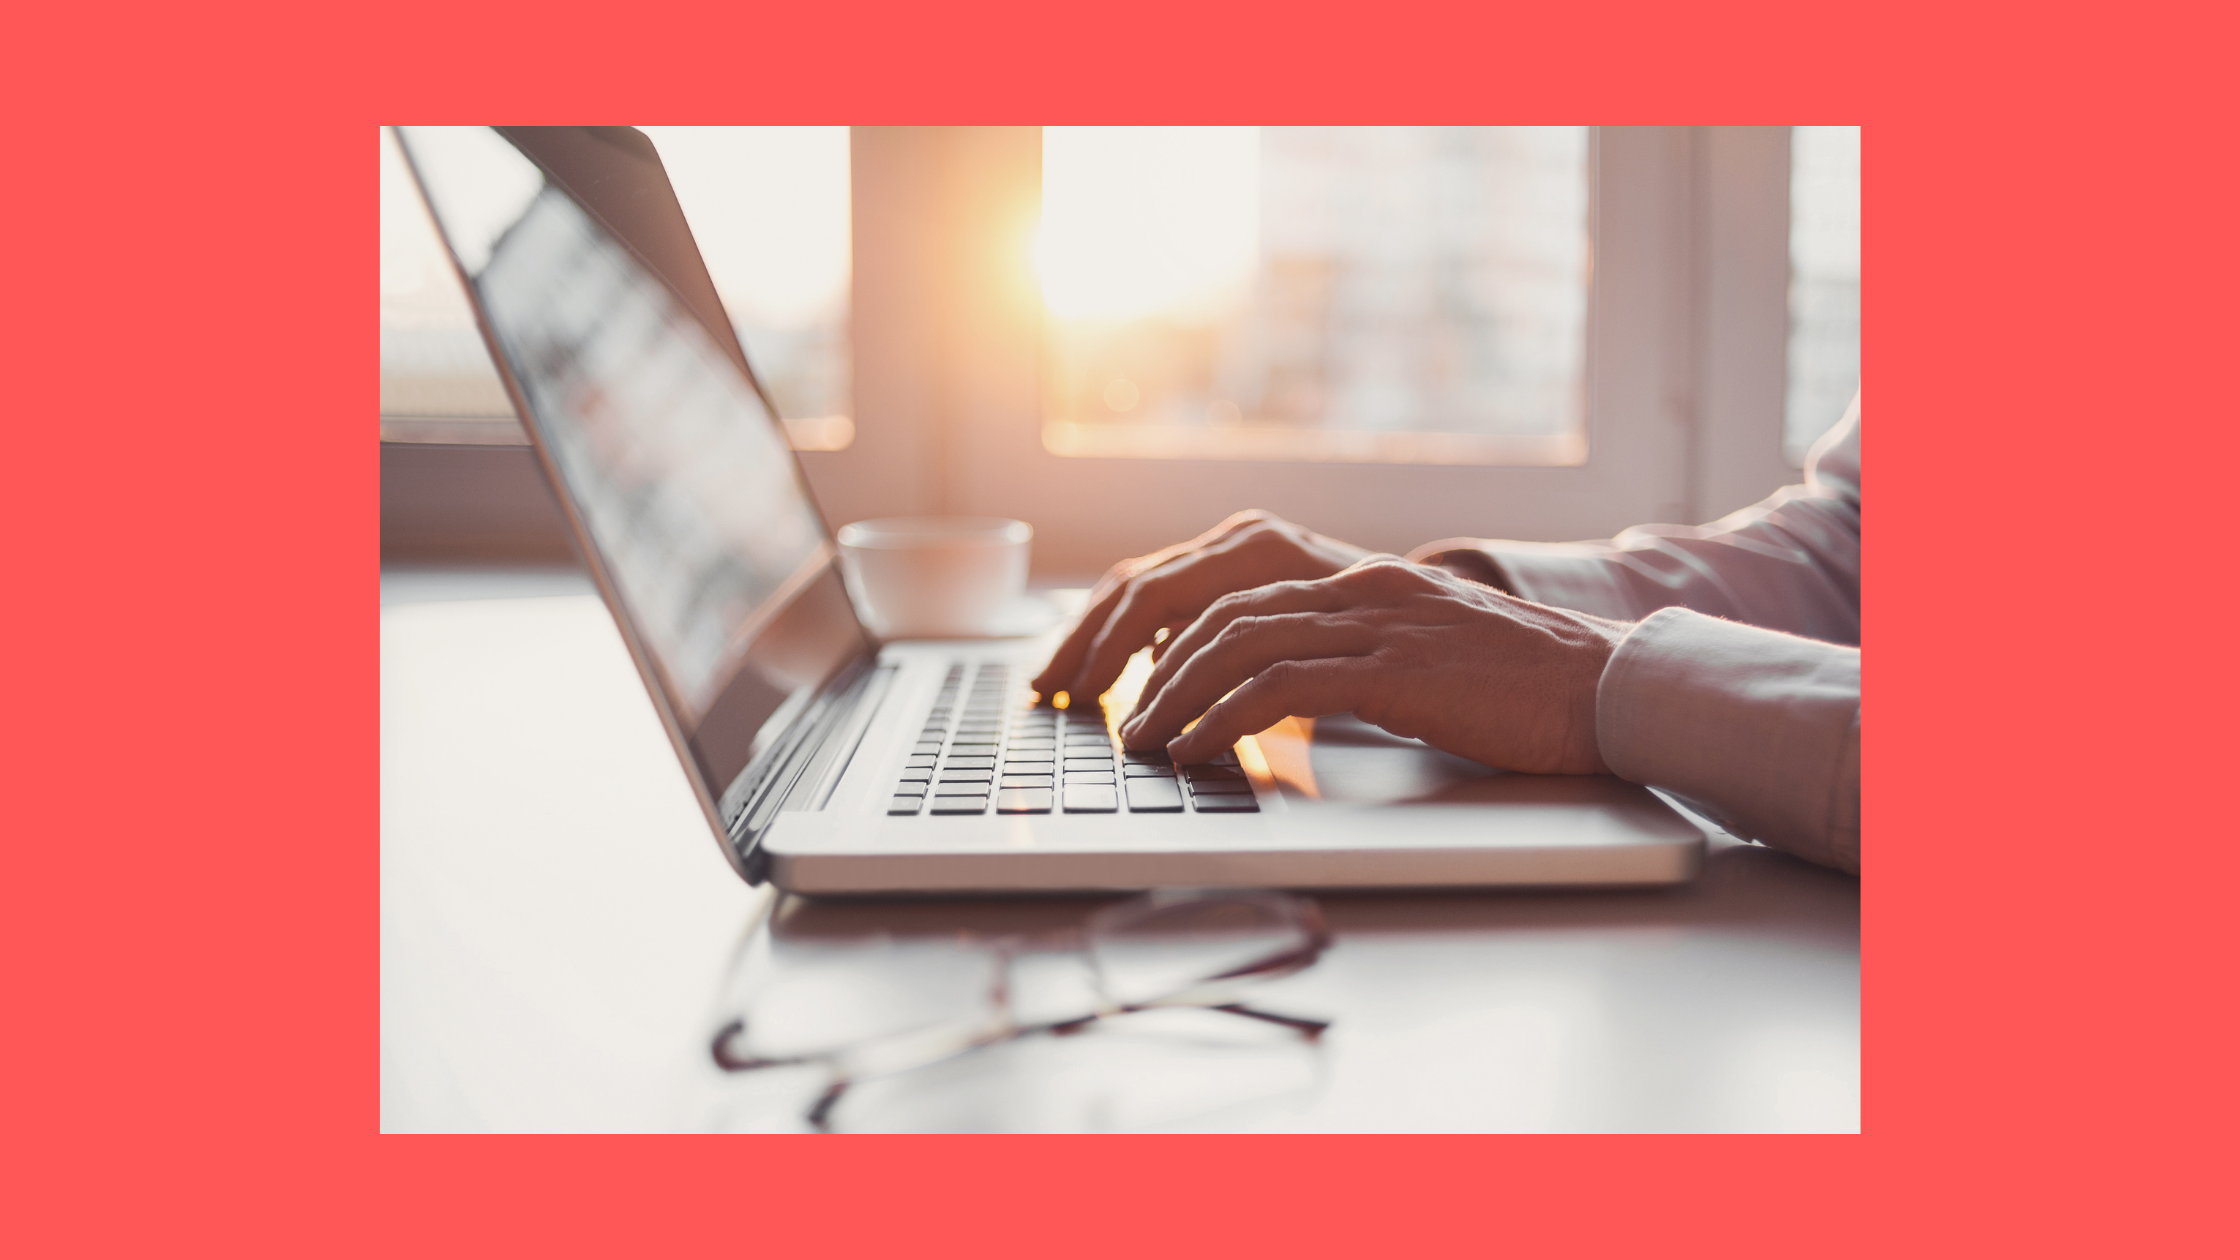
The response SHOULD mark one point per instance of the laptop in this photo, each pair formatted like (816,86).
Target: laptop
(830,763)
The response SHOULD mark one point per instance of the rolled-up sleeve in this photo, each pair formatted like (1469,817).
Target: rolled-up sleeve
(1789,563)
(1759,729)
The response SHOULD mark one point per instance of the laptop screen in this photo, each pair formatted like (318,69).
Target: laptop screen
(677,471)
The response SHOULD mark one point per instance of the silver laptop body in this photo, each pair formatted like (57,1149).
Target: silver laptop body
(829,763)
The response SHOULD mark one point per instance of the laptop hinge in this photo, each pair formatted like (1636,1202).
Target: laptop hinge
(805,765)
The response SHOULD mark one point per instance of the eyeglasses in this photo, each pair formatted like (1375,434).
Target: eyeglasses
(864,1014)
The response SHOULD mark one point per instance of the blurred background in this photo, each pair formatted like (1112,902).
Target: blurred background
(1120,335)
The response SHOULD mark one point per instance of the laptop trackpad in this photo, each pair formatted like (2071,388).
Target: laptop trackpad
(1344,760)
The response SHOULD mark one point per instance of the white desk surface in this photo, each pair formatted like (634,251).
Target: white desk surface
(557,926)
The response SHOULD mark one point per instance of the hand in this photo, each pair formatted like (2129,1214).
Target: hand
(1167,589)
(1415,650)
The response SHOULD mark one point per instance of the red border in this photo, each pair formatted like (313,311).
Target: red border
(191,518)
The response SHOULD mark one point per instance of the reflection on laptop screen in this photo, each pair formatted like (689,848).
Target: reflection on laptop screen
(681,476)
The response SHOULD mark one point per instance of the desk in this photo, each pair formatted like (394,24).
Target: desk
(557,929)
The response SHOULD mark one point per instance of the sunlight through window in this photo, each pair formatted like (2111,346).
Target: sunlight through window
(1402,294)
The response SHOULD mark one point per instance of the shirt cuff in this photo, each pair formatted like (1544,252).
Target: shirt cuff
(1761,728)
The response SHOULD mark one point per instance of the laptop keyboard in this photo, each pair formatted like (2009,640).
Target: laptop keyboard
(990,746)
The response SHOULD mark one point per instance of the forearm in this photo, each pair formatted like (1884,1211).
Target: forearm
(1760,728)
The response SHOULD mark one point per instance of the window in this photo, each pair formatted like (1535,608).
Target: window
(1823,282)
(769,208)
(1374,294)
(436,379)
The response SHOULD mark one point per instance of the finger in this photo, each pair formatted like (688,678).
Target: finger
(1247,648)
(1170,595)
(1286,689)
(1065,663)
(1274,599)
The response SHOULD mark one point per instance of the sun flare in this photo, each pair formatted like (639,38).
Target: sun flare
(1140,221)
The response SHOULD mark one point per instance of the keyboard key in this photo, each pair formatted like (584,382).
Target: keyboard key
(959,805)
(1091,799)
(1214,774)
(966,776)
(1137,770)
(1089,776)
(1042,756)
(1220,787)
(928,746)
(921,761)
(1225,758)
(1240,803)
(904,804)
(1026,780)
(1023,801)
(916,776)
(1154,796)
(970,763)
(1030,742)
(1154,757)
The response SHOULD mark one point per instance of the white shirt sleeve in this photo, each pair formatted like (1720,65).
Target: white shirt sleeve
(1739,689)
(1758,729)
(1789,563)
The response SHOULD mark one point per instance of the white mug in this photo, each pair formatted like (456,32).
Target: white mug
(934,577)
